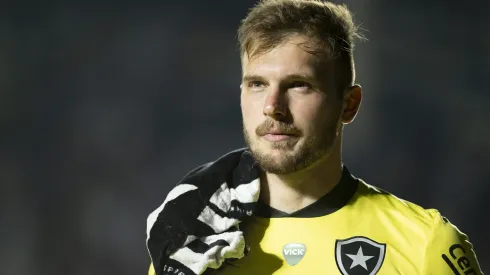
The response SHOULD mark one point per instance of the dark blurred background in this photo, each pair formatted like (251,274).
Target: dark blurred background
(104,106)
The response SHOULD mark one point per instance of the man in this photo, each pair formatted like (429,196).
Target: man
(311,216)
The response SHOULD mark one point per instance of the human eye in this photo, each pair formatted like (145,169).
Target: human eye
(256,84)
(300,86)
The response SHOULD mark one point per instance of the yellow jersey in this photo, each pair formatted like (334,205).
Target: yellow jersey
(356,229)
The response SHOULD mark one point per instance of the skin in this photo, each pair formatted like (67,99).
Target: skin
(293,118)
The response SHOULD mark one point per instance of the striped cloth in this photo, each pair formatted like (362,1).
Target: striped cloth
(197,228)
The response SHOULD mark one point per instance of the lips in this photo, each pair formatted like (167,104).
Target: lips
(277,136)
(279,132)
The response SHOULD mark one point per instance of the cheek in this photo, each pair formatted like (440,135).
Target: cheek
(308,114)
(252,108)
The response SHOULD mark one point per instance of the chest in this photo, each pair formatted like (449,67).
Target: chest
(286,247)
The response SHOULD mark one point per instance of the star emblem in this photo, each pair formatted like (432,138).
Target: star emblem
(348,259)
(359,259)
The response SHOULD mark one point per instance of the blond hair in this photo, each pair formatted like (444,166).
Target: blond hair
(328,26)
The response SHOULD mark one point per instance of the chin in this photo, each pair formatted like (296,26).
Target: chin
(275,155)
(278,148)
(276,152)
(276,161)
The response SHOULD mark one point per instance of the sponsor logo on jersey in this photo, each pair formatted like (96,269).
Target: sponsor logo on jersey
(293,253)
(359,256)
(457,255)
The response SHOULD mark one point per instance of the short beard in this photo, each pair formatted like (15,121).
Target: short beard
(312,150)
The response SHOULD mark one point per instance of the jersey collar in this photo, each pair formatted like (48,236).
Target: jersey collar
(329,203)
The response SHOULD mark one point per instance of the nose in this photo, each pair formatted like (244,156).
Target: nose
(275,104)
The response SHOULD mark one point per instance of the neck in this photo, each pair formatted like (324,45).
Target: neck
(294,191)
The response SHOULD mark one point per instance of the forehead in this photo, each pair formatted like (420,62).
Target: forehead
(290,57)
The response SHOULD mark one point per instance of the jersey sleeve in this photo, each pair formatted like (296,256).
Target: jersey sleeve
(449,251)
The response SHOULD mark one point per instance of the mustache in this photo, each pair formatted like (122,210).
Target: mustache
(279,126)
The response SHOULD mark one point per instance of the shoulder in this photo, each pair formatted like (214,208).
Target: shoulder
(391,204)
(446,248)
(402,213)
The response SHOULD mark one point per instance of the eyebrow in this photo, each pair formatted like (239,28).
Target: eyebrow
(248,78)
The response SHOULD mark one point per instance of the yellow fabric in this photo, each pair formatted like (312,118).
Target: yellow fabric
(417,240)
